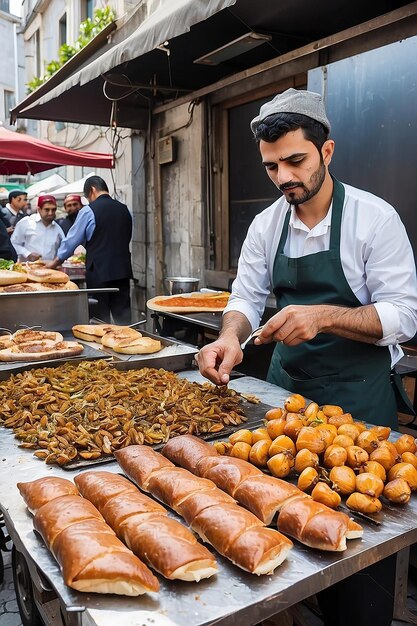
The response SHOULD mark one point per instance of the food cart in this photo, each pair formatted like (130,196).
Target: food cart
(232,596)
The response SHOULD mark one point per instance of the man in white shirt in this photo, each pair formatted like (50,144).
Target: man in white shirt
(38,236)
(342,270)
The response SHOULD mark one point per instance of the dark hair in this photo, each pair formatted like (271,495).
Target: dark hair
(275,126)
(97,182)
(16,193)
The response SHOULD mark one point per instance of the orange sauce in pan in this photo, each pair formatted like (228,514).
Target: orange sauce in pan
(209,302)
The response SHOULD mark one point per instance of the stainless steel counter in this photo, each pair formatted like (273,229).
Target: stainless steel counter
(232,597)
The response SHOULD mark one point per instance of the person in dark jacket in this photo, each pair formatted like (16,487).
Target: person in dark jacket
(72,205)
(106,227)
(13,211)
(6,248)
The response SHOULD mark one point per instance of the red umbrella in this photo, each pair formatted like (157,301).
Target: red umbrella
(22,154)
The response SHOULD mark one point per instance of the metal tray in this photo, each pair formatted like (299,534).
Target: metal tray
(174,355)
(254,412)
(6,369)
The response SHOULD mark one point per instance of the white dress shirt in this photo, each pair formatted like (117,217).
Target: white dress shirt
(31,235)
(375,252)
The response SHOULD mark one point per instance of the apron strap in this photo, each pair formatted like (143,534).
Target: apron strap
(337,212)
(284,232)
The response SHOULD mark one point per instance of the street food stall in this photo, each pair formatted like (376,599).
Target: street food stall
(232,595)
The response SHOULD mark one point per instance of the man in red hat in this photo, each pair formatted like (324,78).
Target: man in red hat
(72,205)
(38,236)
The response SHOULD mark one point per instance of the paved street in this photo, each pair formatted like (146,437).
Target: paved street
(9,613)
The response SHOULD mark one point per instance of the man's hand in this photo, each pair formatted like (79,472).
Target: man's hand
(34,256)
(10,230)
(217,359)
(51,265)
(295,324)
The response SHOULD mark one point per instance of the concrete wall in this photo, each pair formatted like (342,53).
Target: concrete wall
(8,61)
(176,201)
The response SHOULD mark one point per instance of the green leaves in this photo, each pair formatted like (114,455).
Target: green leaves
(88,30)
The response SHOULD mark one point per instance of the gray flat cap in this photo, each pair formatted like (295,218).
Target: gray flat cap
(304,102)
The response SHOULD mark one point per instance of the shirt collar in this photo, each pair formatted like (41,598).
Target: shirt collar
(11,209)
(319,229)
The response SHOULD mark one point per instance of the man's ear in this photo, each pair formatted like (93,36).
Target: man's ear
(327,151)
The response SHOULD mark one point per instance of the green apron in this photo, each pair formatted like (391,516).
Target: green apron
(329,369)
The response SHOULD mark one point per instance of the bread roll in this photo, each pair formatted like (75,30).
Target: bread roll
(265,495)
(175,485)
(226,472)
(139,345)
(140,462)
(41,351)
(163,543)
(20,288)
(89,554)
(8,277)
(6,341)
(218,522)
(44,275)
(187,450)
(200,500)
(311,523)
(111,338)
(38,492)
(92,332)
(315,525)
(94,560)
(26,335)
(221,524)
(68,286)
(169,548)
(259,550)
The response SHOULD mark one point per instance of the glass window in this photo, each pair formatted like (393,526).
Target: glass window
(63,30)
(37,53)
(9,102)
(87,9)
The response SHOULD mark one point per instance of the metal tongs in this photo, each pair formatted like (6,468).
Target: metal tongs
(255,333)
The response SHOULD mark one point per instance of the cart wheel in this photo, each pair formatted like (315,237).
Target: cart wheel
(24,591)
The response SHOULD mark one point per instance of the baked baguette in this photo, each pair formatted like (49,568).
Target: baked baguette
(38,492)
(44,275)
(41,351)
(140,462)
(187,450)
(196,502)
(26,335)
(316,526)
(218,523)
(68,286)
(265,495)
(6,341)
(174,486)
(163,543)
(111,338)
(93,332)
(138,345)
(226,472)
(9,277)
(19,288)
(90,555)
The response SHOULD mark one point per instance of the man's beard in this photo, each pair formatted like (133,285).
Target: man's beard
(315,183)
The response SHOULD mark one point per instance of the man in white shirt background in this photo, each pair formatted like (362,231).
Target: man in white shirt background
(13,212)
(38,236)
